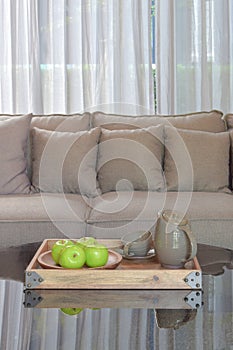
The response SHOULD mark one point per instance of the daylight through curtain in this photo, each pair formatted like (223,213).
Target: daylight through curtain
(68,56)
(194,55)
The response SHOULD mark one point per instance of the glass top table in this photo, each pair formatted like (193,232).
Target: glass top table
(210,326)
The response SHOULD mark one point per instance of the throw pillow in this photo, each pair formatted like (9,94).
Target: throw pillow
(69,123)
(196,160)
(64,161)
(131,159)
(13,141)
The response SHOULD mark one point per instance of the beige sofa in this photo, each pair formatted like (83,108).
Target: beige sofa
(103,175)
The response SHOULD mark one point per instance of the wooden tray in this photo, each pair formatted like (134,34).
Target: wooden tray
(130,274)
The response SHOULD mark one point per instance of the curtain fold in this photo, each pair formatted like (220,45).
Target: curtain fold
(194,55)
(67,56)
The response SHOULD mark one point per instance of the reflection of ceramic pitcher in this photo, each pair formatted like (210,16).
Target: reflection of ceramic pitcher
(173,240)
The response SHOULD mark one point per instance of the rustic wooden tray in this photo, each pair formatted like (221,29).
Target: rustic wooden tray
(130,274)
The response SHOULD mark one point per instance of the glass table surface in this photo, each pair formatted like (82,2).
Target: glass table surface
(121,326)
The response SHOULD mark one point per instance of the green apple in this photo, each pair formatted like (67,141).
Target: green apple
(96,255)
(84,241)
(71,310)
(58,247)
(72,257)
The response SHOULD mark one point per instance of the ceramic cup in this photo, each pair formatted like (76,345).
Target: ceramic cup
(137,243)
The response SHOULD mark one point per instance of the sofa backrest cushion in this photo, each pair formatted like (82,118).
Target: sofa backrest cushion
(231,158)
(65,161)
(131,159)
(14,133)
(196,159)
(59,122)
(204,121)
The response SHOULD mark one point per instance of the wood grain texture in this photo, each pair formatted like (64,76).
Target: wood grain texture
(130,274)
(149,299)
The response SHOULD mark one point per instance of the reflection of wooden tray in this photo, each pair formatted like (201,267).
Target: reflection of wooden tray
(135,299)
(129,274)
(46,261)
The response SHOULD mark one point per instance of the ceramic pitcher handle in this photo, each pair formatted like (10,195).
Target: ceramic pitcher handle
(192,241)
(126,249)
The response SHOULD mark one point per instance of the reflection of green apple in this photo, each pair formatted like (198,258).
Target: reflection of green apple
(58,247)
(96,255)
(72,257)
(74,310)
(71,310)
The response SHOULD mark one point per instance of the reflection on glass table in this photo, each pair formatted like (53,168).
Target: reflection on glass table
(134,323)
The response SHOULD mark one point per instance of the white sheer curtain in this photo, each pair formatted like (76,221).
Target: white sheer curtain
(194,55)
(67,56)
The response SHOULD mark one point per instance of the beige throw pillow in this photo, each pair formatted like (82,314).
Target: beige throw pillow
(57,122)
(131,160)
(65,162)
(206,121)
(13,142)
(196,160)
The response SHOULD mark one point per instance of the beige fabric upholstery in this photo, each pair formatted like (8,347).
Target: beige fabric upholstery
(131,155)
(70,123)
(231,157)
(196,160)
(31,218)
(13,144)
(210,214)
(63,161)
(228,118)
(206,121)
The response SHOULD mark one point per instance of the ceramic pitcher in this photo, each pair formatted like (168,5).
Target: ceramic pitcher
(173,240)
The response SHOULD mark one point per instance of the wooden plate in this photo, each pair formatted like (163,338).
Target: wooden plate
(46,261)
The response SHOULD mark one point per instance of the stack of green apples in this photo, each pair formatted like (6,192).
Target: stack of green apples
(75,254)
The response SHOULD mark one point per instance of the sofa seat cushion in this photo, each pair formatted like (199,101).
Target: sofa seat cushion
(30,218)
(210,214)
